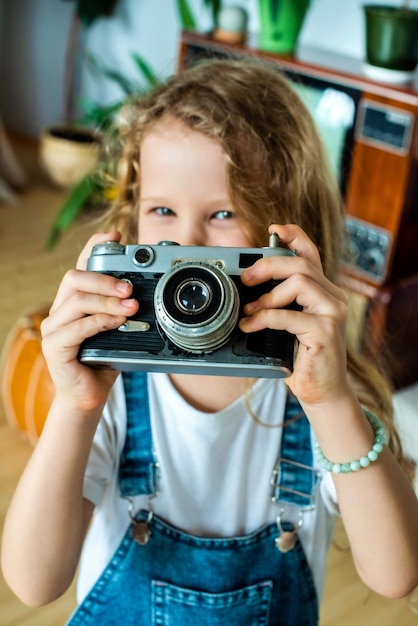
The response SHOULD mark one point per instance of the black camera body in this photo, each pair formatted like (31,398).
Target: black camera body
(191,299)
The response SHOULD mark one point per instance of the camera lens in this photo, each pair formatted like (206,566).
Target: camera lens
(193,296)
(196,305)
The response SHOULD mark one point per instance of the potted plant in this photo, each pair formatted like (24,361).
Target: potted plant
(391,40)
(67,151)
(280,24)
(92,188)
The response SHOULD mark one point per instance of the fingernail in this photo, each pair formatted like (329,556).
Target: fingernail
(123,286)
(243,324)
(247,274)
(251,307)
(128,303)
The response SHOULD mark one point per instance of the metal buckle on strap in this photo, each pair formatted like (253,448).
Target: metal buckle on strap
(141,531)
(282,482)
(286,539)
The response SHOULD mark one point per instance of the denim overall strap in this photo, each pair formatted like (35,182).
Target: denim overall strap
(138,467)
(294,478)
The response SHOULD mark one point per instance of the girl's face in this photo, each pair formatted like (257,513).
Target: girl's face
(184,192)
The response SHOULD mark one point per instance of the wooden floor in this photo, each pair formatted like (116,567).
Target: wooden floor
(29,275)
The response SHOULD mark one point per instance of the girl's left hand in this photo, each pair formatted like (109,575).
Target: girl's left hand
(320,373)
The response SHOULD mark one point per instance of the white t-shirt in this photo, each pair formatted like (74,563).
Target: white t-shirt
(214,476)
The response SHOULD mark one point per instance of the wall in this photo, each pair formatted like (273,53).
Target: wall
(33,37)
(32,49)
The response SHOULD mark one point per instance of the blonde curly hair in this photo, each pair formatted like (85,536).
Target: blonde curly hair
(277,171)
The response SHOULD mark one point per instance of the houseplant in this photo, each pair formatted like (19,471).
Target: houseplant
(391,38)
(280,24)
(92,188)
(68,152)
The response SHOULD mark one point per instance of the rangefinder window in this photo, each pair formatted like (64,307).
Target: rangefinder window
(246,260)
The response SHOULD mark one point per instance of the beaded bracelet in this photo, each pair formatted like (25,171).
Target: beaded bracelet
(364,461)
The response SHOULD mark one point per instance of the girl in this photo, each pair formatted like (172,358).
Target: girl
(209,506)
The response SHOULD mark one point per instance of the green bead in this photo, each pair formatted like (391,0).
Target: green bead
(364,461)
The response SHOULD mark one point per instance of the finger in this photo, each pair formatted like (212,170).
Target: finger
(84,256)
(76,281)
(63,344)
(282,268)
(316,333)
(298,241)
(318,296)
(80,305)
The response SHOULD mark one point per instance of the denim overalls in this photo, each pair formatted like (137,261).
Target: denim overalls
(160,576)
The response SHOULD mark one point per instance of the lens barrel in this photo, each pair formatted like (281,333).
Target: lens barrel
(196,305)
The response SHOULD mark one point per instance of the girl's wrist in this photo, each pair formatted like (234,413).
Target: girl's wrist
(342,430)
(370,456)
(69,408)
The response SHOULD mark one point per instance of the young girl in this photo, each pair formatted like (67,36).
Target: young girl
(210,506)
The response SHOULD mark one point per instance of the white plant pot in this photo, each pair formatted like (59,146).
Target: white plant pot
(68,154)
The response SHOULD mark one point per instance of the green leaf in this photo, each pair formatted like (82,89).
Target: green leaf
(127,86)
(216,7)
(146,70)
(99,116)
(72,207)
(90,10)
(186,17)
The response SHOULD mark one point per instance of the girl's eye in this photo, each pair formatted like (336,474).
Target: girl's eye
(163,211)
(223,215)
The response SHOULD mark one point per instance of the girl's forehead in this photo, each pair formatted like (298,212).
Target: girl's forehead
(174,135)
(168,126)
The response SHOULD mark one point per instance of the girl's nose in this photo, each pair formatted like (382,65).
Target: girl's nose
(193,235)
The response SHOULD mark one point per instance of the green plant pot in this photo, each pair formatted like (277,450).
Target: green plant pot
(391,37)
(280,24)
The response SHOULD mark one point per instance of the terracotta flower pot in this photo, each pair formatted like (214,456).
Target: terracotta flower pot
(68,154)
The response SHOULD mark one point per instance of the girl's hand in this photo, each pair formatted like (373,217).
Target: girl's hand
(86,304)
(320,367)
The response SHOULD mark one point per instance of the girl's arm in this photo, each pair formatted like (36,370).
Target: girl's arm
(48,517)
(378,506)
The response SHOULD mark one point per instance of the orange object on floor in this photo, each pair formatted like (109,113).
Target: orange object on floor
(26,386)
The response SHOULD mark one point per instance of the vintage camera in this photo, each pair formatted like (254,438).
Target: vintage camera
(191,299)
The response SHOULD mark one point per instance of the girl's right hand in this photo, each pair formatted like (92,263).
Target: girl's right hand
(86,303)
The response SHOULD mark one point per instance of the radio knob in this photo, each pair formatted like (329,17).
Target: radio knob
(374,261)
